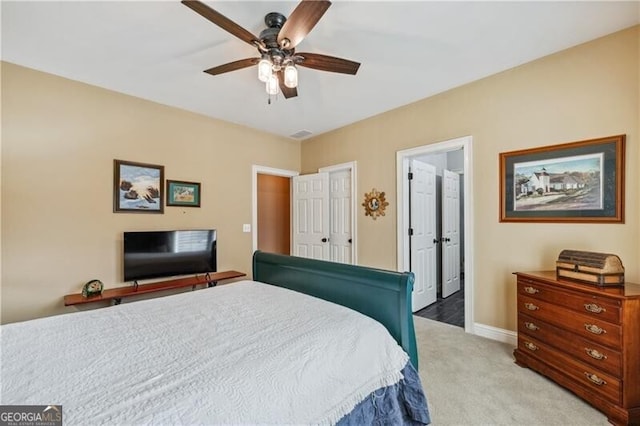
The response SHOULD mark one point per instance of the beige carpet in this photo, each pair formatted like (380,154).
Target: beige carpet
(470,380)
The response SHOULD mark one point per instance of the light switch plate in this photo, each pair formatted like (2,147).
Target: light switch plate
(246,227)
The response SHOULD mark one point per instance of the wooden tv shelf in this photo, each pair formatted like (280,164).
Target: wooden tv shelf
(116,295)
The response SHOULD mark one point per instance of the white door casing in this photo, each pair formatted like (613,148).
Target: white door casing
(340,219)
(423,234)
(450,233)
(402,225)
(311,216)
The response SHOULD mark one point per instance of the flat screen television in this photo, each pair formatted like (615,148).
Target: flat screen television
(154,254)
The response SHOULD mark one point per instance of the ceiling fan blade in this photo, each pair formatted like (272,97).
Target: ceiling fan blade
(221,21)
(301,21)
(286,91)
(232,66)
(328,63)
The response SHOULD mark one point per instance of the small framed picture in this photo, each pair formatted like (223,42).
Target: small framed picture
(183,194)
(137,187)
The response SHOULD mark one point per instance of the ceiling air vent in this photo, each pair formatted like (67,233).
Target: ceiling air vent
(300,134)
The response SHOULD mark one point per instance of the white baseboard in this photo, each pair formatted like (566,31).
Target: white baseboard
(493,333)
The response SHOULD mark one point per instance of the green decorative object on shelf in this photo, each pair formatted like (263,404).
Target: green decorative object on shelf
(92,288)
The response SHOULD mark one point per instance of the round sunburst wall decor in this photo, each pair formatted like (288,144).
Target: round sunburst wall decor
(374,203)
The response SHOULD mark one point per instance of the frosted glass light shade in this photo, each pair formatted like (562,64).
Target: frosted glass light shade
(272,85)
(264,70)
(290,76)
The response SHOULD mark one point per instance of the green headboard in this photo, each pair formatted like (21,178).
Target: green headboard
(382,295)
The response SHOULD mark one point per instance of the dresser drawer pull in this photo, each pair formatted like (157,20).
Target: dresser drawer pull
(595,354)
(531,290)
(595,379)
(531,326)
(531,306)
(530,346)
(592,328)
(592,307)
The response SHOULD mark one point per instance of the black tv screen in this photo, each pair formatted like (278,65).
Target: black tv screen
(153,254)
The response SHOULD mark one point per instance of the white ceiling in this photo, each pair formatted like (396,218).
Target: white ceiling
(157,50)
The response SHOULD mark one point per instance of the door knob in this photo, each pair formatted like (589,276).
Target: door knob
(349,240)
(436,241)
(324,240)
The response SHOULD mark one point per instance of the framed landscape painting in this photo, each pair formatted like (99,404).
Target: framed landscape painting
(572,182)
(137,187)
(185,194)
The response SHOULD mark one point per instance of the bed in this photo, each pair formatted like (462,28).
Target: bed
(261,351)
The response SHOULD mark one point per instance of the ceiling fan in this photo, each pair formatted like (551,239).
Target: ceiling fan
(276,46)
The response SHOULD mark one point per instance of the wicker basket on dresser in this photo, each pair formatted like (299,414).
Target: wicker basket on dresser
(585,338)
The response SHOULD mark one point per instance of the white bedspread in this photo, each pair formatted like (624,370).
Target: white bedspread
(243,353)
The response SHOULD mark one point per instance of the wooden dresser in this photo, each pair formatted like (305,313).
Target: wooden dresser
(585,338)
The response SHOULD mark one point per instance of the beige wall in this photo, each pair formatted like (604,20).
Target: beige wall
(59,140)
(589,91)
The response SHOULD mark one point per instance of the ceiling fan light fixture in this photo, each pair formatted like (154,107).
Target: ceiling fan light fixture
(264,69)
(276,45)
(291,76)
(272,85)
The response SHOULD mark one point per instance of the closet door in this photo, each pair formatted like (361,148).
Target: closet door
(340,216)
(311,216)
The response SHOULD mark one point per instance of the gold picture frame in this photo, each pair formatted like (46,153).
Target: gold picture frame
(374,203)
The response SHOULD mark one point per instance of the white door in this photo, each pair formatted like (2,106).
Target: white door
(311,216)
(423,242)
(450,233)
(340,216)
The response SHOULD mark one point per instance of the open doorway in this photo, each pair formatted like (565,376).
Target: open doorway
(274,214)
(271,192)
(427,242)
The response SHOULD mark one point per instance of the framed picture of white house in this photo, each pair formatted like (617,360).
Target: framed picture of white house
(571,182)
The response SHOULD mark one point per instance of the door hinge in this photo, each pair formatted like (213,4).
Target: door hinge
(410,231)
(410,175)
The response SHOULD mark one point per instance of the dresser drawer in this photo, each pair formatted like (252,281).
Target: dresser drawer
(584,325)
(598,356)
(598,307)
(596,381)
(585,338)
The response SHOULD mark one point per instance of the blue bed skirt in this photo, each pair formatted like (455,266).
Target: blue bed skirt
(401,404)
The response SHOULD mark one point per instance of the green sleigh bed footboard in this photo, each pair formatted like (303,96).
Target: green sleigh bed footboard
(382,295)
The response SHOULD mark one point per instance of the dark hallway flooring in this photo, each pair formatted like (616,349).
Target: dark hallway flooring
(449,310)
